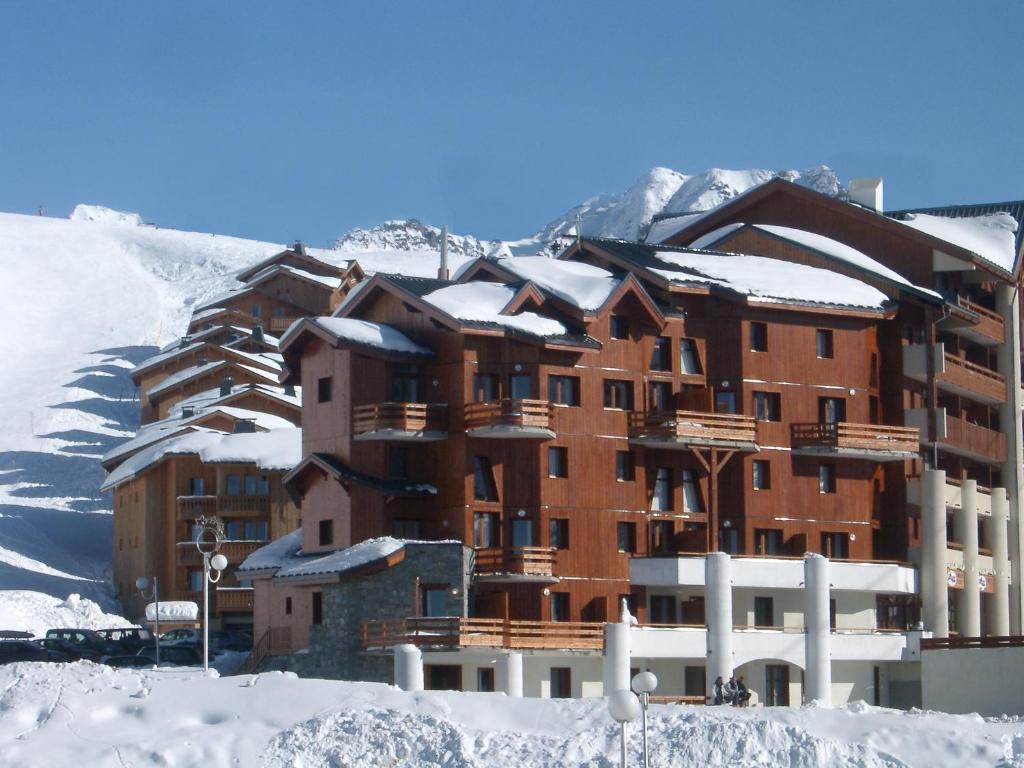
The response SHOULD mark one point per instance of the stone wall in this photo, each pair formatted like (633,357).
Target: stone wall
(334,648)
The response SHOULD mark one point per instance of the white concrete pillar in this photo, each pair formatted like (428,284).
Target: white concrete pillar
(1012,471)
(616,657)
(966,531)
(934,597)
(999,616)
(408,667)
(510,674)
(818,637)
(718,611)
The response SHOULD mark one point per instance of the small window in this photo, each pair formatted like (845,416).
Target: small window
(663,609)
(326,533)
(559,606)
(764,612)
(484,488)
(762,472)
(318,608)
(324,389)
(485,679)
(826,478)
(278,311)
(823,343)
(729,540)
(618,394)
(252,485)
(233,530)
(659,396)
(662,534)
(758,337)
(233,485)
(626,537)
(561,682)
(195,580)
(661,497)
(196,486)
(689,361)
(725,402)
(619,327)
(691,492)
(558,462)
(406,528)
(434,601)
(485,387)
(625,466)
(767,541)
(835,545)
(257,310)
(558,533)
(768,406)
(398,462)
(486,530)
(257,530)
(564,390)
(661,355)
(288,606)
(520,387)
(831,410)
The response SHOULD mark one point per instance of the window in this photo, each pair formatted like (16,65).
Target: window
(729,540)
(764,612)
(831,410)
(558,462)
(768,406)
(762,473)
(625,466)
(835,545)
(691,492)
(485,679)
(663,609)
(767,541)
(406,528)
(324,389)
(832,614)
(823,343)
(257,310)
(398,461)
(233,485)
(725,402)
(758,337)
(662,533)
(558,533)
(288,606)
(522,532)
(195,580)
(661,355)
(561,683)
(256,485)
(618,394)
(278,311)
(484,487)
(520,387)
(559,606)
(619,327)
(326,533)
(434,601)
(233,530)
(826,478)
(257,530)
(486,529)
(405,383)
(626,537)
(689,361)
(485,387)
(318,608)
(661,498)
(195,486)
(564,390)
(659,396)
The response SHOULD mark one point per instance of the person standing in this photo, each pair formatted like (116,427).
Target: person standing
(719,698)
(730,691)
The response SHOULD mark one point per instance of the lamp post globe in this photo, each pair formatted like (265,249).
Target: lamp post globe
(645,682)
(623,706)
(142,583)
(219,562)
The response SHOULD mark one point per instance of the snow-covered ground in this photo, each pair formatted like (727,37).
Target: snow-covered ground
(88,715)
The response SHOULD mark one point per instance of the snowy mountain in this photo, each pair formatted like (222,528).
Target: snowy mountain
(412,235)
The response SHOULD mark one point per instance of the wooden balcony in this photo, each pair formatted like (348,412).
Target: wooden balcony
(985,327)
(954,374)
(874,442)
(682,429)
(281,324)
(455,632)
(234,551)
(509,419)
(412,422)
(973,441)
(233,599)
(191,507)
(535,564)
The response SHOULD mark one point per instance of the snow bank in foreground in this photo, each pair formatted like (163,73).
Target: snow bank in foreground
(35,612)
(84,714)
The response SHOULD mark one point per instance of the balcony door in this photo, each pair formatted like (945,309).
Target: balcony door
(522,533)
(405,387)
(659,396)
(776,685)
(520,386)
(831,410)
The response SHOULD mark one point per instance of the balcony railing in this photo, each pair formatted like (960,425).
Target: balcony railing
(235,551)
(457,632)
(964,377)
(509,418)
(516,563)
(975,441)
(191,507)
(233,599)
(281,323)
(400,421)
(989,328)
(686,428)
(869,441)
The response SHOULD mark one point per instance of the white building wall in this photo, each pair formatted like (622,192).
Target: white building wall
(982,680)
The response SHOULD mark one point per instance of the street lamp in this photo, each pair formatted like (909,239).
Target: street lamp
(142,584)
(644,684)
(623,707)
(209,534)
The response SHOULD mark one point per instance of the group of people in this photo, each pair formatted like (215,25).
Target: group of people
(735,692)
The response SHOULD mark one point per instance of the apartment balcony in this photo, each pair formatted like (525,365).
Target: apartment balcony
(874,442)
(683,429)
(233,599)
(509,419)
(234,551)
(954,374)
(515,564)
(953,495)
(281,324)
(455,632)
(961,437)
(409,422)
(191,507)
(976,323)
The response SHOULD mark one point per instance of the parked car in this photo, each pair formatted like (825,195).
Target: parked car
(80,644)
(191,638)
(129,640)
(24,650)
(173,656)
(15,634)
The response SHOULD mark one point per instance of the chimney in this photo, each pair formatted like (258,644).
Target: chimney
(442,270)
(867,192)
(299,248)
(188,411)
(226,385)
(244,426)
(289,390)
(183,343)
(257,333)
(201,361)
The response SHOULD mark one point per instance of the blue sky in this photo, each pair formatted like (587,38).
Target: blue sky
(301,120)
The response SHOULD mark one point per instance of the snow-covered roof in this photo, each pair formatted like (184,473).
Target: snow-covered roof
(583,285)
(179,377)
(241,334)
(276,269)
(990,236)
(217,303)
(276,449)
(173,610)
(664,228)
(366,333)
(210,397)
(484,301)
(168,353)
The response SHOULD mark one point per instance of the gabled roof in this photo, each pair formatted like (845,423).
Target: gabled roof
(379,339)
(297,254)
(225,315)
(334,467)
(269,362)
(1013,207)
(212,397)
(179,378)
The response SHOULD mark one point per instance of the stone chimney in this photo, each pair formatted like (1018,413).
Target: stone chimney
(299,248)
(257,333)
(226,385)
